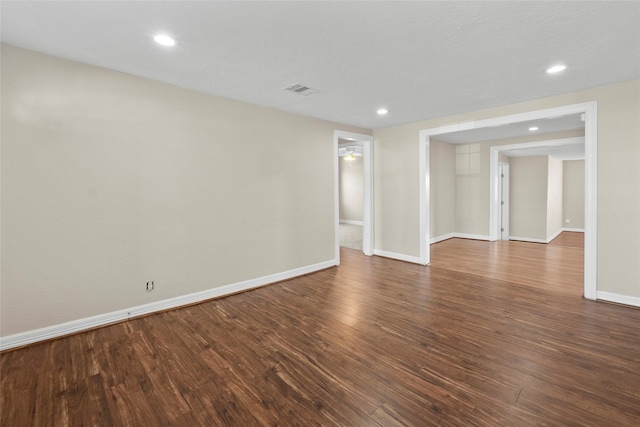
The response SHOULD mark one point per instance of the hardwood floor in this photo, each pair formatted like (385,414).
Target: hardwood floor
(502,340)
(556,267)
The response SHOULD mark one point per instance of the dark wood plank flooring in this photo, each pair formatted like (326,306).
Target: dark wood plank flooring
(480,342)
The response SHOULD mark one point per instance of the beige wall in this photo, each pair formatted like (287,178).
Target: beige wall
(442,166)
(351,176)
(110,180)
(528,186)
(397,196)
(469,197)
(554,197)
(573,193)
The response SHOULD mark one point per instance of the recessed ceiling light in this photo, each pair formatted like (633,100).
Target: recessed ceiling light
(165,40)
(533,128)
(556,69)
(382,111)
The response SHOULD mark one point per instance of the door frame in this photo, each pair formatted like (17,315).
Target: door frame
(590,111)
(503,196)
(367,211)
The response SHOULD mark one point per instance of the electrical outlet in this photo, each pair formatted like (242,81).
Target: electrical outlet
(566,221)
(150,286)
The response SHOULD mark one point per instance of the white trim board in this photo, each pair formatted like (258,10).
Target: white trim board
(400,257)
(590,110)
(55,331)
(351,222)
(458,236)
(527,239)
(556,234)
(619,299)
(483,237)
(442,238)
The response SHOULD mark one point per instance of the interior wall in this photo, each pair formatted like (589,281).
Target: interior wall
(351,184)
(111,180)
(573,194)
(554,197)
(528,197)
(442,166)
(397,180)
(468,187)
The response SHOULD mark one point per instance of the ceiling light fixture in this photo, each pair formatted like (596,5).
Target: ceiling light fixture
(165,40)
(533,128)
(382,111)
(556,69)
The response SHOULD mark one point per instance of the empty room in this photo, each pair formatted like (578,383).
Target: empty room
(320,213)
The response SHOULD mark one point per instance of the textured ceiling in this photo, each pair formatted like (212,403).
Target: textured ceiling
(561,152)
(545,126)
(419,59)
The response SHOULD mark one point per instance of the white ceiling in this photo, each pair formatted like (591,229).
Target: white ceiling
(562,152)
(545,126)
(419,59)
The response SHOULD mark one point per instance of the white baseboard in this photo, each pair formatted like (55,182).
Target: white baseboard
(459,236)
(471,236)
(401,257)
(556,234)
(527,239)
(34,336)
(617,298)
(442,238)
(351,221)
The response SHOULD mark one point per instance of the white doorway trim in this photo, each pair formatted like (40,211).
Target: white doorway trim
(590,110)
(367,211)
(503,208)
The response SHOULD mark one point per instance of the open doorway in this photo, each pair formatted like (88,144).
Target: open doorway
(541,209)
(351,193)
(587,113)
(353,212)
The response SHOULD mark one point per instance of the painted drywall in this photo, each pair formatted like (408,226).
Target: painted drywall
(554,197)
(469,198)
(528,186)
(573,194)
(351,182)
(397,179)
(442,164)
(111,180)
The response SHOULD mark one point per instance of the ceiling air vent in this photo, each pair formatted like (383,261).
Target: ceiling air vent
(301,89)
